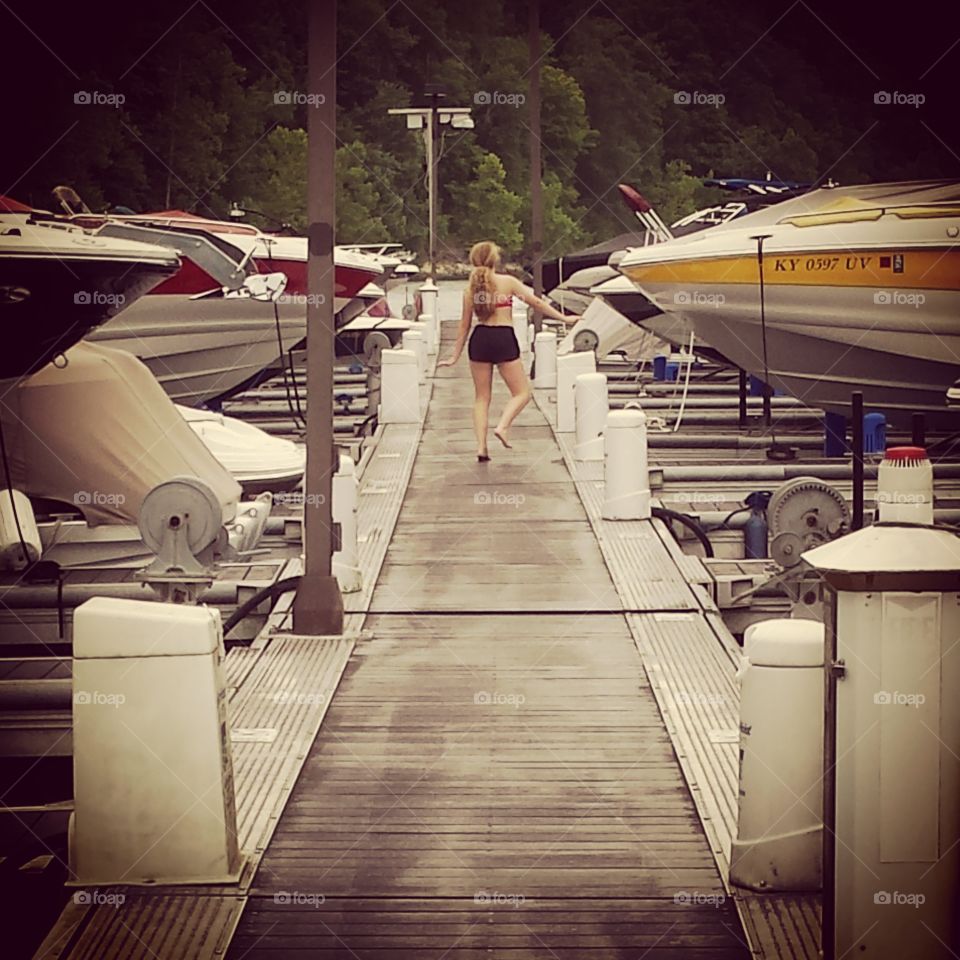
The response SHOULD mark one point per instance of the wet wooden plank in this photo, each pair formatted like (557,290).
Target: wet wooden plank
(494,500)
(493,924)
(493,544)
(427,780)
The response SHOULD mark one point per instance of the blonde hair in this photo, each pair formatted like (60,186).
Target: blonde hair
(484,257)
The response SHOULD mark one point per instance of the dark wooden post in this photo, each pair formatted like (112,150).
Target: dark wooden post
(318,608)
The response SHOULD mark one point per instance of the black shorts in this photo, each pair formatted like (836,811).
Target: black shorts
(493,343)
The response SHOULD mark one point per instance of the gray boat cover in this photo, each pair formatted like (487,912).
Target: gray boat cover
(100,433)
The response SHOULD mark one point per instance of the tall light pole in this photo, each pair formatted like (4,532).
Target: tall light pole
(431,118)
(434,95)
(536,165)
(318,607)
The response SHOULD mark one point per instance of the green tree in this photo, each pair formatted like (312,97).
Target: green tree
(676,193)
(279,181)
(359,200)
(486,208)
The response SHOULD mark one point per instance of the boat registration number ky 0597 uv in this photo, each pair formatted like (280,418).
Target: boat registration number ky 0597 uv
(848,262)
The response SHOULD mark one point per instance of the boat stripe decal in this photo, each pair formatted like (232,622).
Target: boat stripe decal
(928,269)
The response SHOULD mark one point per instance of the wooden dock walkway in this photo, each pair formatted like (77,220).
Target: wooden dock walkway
(493,777)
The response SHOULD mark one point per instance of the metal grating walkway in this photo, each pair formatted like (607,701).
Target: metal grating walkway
(279,689)
(691,660)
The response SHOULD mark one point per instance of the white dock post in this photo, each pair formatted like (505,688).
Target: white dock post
(569,367)
(520,324)
(17,520)
(153,769)
(427,323)
(592,406)
(430,308)
(415,339)
(626,477)
(346,560)
(429,298)
(780,820)
(545,351)
(399,387)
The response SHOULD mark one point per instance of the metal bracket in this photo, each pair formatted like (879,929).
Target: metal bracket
(838,669)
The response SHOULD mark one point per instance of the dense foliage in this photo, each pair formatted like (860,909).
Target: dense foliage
(659,95)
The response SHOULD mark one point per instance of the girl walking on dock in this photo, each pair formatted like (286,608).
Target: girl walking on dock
(489,295)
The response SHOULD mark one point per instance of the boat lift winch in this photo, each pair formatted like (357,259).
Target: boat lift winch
(804,513)
(181,522)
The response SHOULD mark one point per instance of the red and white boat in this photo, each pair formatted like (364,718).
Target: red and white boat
(271,253)
(200,332)
(211,328)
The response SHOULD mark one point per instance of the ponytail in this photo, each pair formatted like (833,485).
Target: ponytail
(484,257)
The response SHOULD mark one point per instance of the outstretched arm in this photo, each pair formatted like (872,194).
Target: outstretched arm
(462,331)
(524,293)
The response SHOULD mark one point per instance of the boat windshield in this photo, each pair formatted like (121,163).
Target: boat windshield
(862,214)
(864,202)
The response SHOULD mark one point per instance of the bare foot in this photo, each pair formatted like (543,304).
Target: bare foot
(501,437)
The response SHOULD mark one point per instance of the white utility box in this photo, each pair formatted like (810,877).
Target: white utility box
(892,744)
(153,770)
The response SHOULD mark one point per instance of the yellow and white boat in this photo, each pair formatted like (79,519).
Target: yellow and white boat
(861,292)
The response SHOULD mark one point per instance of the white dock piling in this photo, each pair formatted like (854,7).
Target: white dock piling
(545,350)
(429,298)
(592,406)
(429,327)
(626,477)
(399,387)
(569,367)
(520,328)
(346,488)
(415,339)
(780,823)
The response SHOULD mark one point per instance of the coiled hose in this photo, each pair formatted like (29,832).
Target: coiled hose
(665,514)
(275,589)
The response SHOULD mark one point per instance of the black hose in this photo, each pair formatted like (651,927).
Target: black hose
(662,513)
(732,514)
(358,428)
(13,503)
(289,355)
(274,590)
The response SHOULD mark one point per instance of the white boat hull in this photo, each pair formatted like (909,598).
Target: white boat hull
(821,360)
(201,350)
(614,331)
(255,459)
(861,293)
(822,346)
